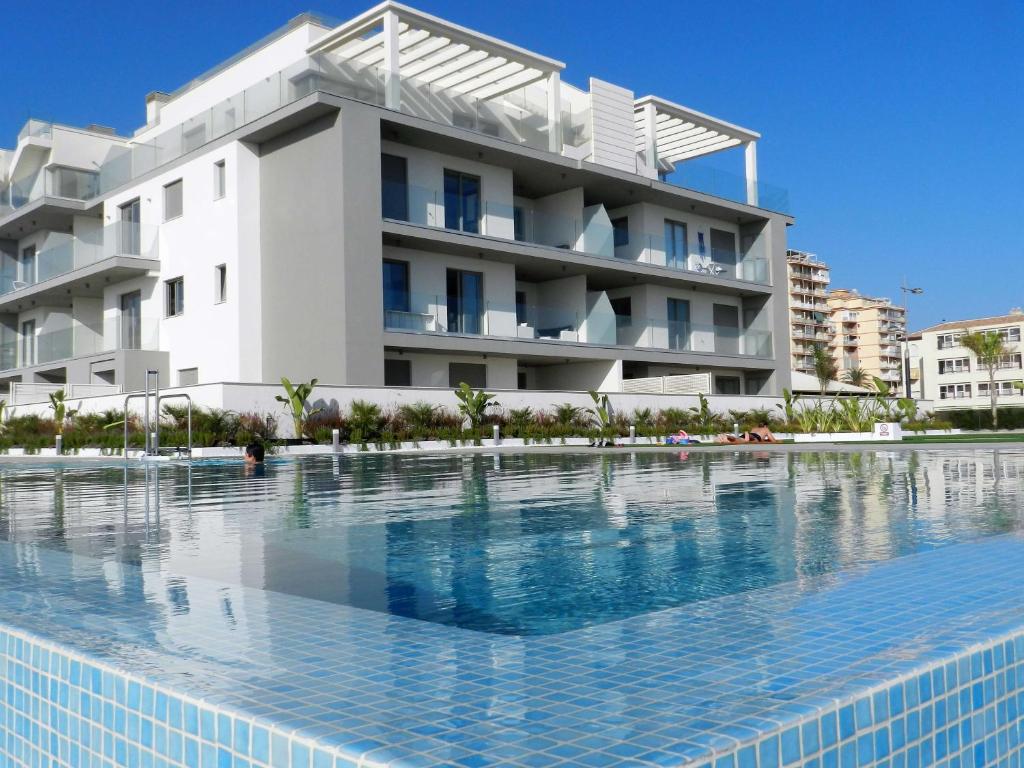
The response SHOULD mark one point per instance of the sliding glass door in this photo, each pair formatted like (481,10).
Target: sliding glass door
(465,301)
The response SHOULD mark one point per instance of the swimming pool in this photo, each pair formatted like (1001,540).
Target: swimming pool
(641,607)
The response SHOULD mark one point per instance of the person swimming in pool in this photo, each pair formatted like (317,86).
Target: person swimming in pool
(254,453)
(759,434)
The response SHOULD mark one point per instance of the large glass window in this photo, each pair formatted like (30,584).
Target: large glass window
(28,265)
(676,253)
(220,180)
(727,328)
(461,202)
(723,248)
(678,324)
(131,320)
(131,240)
(394,188)
(620,231)
(397,373)
(396,286)
(465,301)
(727,385)
(28,342)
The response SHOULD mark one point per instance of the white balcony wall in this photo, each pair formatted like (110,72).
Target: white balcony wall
(75,148)
(600,375)
(206,235)
(426,188)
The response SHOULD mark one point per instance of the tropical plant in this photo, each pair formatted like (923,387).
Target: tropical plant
(788,405)
(602,411)
(856,414)
(295,400)
(704,419)
(3,413)
(643,418)
(61,413)
(418,416)
(473,405)
(567,414)
(365,419)
(857,377)
(908,409)
(989,347)
(882,387)
(825,368)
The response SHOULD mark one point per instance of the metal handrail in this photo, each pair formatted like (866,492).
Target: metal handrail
(156,433)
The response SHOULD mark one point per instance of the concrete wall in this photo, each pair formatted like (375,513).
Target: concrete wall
(320,251)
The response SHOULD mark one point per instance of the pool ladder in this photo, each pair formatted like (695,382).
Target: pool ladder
(152,429)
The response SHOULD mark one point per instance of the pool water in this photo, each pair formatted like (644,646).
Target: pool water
(529,544)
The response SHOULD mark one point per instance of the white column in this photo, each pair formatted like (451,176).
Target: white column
(651,139)
(750,152)
(392,77)
(555,112)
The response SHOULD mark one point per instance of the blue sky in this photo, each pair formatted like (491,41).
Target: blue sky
(896,127)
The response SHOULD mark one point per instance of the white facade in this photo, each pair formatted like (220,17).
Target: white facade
(949,374)
(245,232)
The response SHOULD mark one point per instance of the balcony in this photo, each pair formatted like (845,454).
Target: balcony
(584,234)
(77,341)
(434,314)
(59,183)
(115,252)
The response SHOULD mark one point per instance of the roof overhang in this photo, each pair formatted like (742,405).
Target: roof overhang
(681,133)
(436,52)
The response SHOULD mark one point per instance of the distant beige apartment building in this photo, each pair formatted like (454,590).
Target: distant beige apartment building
(867,334)
(808,279)
(948,372)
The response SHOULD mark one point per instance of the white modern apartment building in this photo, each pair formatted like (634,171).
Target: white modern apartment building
(392,200)
(948,372)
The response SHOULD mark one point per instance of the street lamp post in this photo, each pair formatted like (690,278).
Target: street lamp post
(907,390)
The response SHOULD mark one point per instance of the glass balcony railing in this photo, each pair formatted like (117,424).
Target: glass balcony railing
(731,186)
(118,239)
(430,208)
(42,348)
(437,313)
(57,182)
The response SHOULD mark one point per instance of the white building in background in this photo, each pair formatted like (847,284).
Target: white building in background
(948,373)
(394,200)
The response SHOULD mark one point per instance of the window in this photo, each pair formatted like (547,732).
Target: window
(394,188)
(676,253)
(188,377)
(396,286)
(28,342)
(520,307)
(465,301)
(474,374)
(1010,361)
(1003,389)
(397,373)
(220,285)
(461,202)
(955,365)
(174,294)
(131,320)
(756,384)
(949,340)
(678,315)
(954,391)
(620,231)
(28,265)
(130,234)
(723,247)
(727,385)
(220,180)
(727,328)
(518,223)
(173,200)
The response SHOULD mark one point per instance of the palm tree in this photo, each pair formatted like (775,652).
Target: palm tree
(988,347)
(858,377)
(825,368)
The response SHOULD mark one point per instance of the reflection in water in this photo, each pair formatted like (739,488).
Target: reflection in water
(511,544)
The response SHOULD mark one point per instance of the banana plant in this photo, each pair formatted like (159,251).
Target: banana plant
(61,413)
(788,405)
(473,404)
(295,398)
(602,411)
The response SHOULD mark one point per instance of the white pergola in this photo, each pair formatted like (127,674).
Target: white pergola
(672,133)
(405,42)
